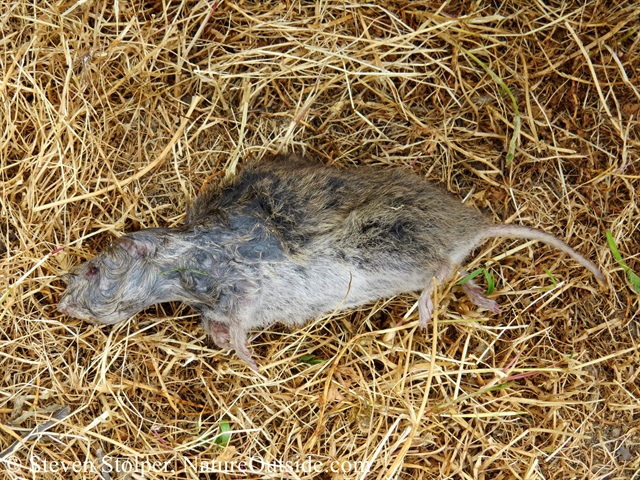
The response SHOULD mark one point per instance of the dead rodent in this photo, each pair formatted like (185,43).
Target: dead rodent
(289,240)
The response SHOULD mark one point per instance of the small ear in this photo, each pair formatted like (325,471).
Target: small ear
(136,248)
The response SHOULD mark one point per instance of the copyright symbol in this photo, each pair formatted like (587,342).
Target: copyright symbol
(12,463)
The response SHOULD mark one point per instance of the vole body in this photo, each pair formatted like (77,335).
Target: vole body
(288,240)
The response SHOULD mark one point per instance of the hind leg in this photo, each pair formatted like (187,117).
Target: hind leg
(476,294)
(425,304)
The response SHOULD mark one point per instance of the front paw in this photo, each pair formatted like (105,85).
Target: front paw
(219,333)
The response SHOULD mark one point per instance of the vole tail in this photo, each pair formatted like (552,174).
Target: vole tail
(520,231)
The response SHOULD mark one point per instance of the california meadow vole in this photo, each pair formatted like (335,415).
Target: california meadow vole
(289,240)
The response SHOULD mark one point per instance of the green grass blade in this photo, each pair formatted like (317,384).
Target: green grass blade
(471,276)
(222,440)
(632,277)
(491,283)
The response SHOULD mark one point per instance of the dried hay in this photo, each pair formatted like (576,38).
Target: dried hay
(115,114)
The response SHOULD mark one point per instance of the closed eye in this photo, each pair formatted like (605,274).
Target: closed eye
(92,272)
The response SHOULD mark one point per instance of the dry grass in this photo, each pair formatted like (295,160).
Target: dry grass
(113,115)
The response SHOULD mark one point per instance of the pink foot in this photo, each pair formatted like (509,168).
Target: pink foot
(476,295)
(239,342)
(425,307)
(231,339)
(219,334)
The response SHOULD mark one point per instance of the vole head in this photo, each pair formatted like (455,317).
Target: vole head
(115,284)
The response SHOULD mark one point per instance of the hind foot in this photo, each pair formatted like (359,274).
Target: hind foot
(476,294)
(425,306)
(241,346)
(231,338)
(474,291)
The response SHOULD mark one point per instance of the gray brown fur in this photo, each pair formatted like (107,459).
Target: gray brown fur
(289,240)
